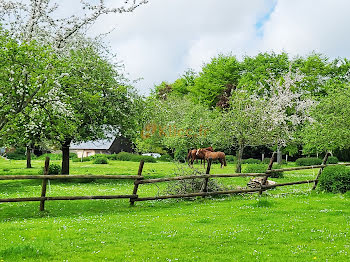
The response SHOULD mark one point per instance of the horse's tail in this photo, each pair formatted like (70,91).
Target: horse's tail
(188,155)
(224,160)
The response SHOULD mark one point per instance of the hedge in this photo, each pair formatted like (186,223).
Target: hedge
(335,179)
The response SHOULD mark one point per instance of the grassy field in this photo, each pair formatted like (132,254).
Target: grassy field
(284,224)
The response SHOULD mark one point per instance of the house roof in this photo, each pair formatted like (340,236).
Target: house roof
(103,144)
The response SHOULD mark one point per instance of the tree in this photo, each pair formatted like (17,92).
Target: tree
(38,19)
(177,124)
(27,64)
(27,71)
(98,101)
(245,123)
(214,79)
(330,128)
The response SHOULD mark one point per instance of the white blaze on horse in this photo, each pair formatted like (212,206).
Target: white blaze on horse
(212,155)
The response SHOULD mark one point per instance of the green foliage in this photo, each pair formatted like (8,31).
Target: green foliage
(308,161)
(19,154)
(85,159)
(251,161)
(125,156)
(56,156)
(214,78)
(330,130)
(332,160)
(54,169)
(231,158)
(261,168)
(335,179)
(180,155)
(165,158)
(100,160)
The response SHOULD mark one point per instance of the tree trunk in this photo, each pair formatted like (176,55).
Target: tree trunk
(262,157)
(65,157)
(239,158)
(279,155)
(29,157)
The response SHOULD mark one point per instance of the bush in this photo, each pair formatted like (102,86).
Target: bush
(231,158)
(125,156)
(54,169)
(85,159)
(180,155)
(310,161)
(19,154)
(165,158)
(335,179)
(101,160)
(261,168)
(332,160)
(251,161)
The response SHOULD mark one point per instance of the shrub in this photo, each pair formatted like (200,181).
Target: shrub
(332,160)
(19,154)
(180,155)
(335,179)
(231,158)
(165,158)
(251,161)
(261,168)
(54,169)
(101,160)
(310,161)
(125,156)
(85,159)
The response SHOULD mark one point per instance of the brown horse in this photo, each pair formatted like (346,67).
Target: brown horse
(192,155)
(212,155)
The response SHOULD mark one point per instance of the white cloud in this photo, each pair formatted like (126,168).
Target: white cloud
(303,26)
(160,40)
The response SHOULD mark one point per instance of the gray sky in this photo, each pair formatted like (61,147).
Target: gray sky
(162,39)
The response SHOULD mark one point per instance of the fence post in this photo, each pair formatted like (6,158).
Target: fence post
(44,183)
(136,184)
(206,180)
(264,180)
(324,162)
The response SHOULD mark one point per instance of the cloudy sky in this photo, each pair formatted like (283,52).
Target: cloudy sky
(162,39)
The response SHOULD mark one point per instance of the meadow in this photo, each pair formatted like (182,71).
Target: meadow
(284,224)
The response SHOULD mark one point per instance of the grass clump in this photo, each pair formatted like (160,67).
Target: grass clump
(335,179)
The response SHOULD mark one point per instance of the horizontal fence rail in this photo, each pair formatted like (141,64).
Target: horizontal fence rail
(58,177)
(140,180)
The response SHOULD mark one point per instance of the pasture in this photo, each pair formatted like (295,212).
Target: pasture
(284,224)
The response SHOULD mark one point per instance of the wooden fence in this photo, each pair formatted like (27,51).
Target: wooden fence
(140,180)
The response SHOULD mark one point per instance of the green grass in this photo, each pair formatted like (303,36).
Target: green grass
(284,224)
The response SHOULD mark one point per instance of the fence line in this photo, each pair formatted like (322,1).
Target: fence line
(139,180)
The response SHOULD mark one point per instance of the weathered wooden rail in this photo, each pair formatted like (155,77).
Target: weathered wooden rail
(140,180)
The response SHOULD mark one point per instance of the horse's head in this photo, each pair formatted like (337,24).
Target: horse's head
(201,152)
(210,149)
